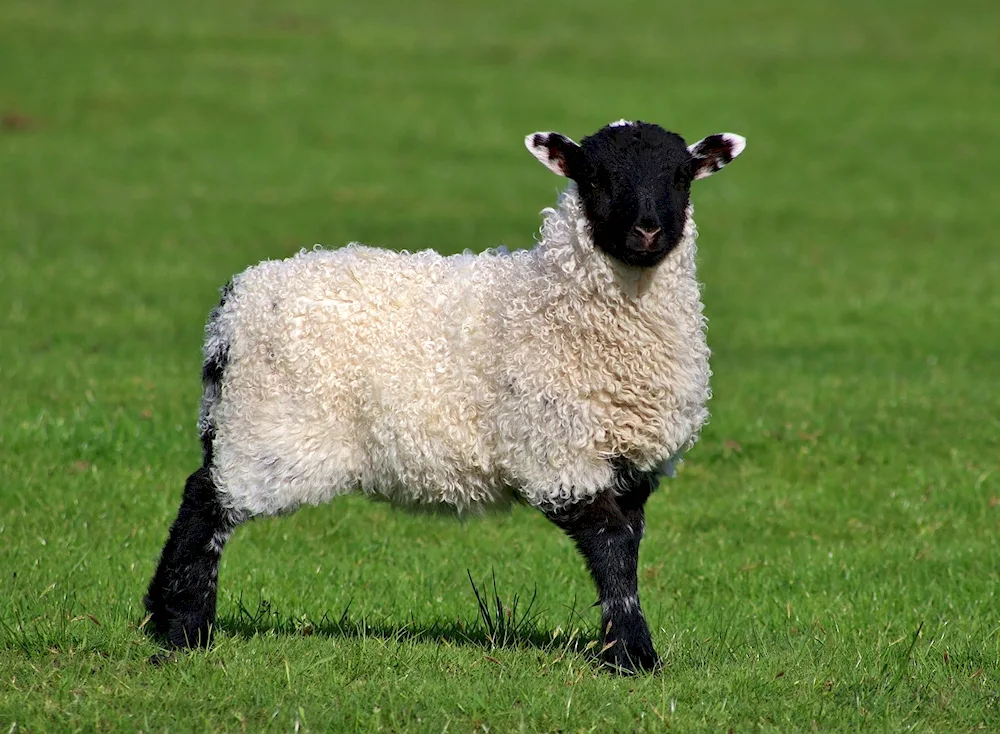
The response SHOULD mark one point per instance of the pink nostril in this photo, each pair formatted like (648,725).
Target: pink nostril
(648,235)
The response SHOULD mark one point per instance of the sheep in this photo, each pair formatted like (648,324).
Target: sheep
(570,377)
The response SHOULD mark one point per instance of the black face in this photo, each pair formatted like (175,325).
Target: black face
(635,184)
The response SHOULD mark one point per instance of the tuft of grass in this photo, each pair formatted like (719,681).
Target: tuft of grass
(502,625)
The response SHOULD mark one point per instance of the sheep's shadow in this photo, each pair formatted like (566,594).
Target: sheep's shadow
(500,624)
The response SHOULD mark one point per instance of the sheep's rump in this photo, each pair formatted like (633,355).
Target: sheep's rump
(355,368)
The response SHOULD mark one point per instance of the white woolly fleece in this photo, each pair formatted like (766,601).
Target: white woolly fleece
(458,381)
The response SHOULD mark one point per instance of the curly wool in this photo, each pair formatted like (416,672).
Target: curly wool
(460,381)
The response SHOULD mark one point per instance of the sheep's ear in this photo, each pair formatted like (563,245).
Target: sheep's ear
(556,152)
(714,152)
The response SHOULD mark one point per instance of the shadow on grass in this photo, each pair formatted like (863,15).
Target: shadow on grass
(510,624)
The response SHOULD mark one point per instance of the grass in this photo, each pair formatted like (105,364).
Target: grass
(827,557)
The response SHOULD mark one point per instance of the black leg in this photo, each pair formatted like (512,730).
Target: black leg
(181,596)
(607,532)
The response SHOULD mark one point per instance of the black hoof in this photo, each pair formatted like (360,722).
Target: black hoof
(162,658)
(178,629)
(631,660)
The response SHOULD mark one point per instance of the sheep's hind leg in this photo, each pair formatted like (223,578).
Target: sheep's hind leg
(607,532)
(182,594)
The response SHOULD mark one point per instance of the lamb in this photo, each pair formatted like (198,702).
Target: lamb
(570,376)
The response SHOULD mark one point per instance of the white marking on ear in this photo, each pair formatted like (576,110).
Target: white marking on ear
(549,149)
(715,152)
(621,123)
(736,143)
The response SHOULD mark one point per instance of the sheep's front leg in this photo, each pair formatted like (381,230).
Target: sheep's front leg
(607,532)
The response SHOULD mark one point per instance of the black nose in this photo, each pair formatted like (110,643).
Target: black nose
(648,236)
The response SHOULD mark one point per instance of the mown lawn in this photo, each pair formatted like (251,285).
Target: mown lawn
(827,557)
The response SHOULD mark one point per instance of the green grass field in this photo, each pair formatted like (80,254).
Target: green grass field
(827,558)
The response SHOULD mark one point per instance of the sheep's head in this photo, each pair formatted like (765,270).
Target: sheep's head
(634,180)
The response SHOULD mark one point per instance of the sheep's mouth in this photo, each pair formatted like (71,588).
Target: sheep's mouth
(636,251)
(644,257)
